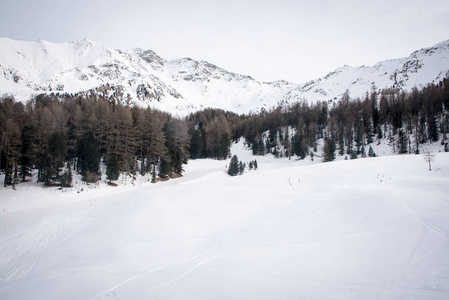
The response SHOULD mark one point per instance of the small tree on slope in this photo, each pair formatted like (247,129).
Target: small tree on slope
(233,169)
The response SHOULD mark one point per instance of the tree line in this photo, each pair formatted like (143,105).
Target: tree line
(350,126)
(55,134)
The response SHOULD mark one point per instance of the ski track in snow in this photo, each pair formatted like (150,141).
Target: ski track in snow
(190,270)
(256,236)
(21,259)
(161,285)
(424,221)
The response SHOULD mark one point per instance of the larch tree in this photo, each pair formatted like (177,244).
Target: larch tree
(177,141)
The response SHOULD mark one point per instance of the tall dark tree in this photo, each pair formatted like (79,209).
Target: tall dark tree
(88,158)
(218,137)
(177,141)
(233,168)
(57,154)
(164,168)
(26,164)
(402,142)
(433,128)
(196,144)
(299,146)
(156,146)
(11,145)
(329,150)
(112,168)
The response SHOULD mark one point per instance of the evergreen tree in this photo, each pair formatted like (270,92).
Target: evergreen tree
(271,140)
(234,166)
(11,142)
(329,150)
(156,147)
(371,152)
(164,168)
(402,142)
(25,154)
(57,153)
(261,147)
(177,141)
(66,177)
(433,128)
(196,144)
(242,167)
(88,158)
(255,148)
(112,168)
(299,146)
(218,138)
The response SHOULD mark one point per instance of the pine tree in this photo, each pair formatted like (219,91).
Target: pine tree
(242,167)
(233,166)
(196,144)
(218,138)
(11,144)
(329,150)
(88,158)
(433,128)
(271,140)
(25,154)
(177,141)
(156,147)
(164,168)
(261,147)
(66,177)
(57,153)
(371,152)
(112,168)
(402,142)
(299,146)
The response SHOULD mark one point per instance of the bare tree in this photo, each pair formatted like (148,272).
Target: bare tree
(430,158)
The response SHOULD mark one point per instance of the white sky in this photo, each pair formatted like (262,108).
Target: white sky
(268,40)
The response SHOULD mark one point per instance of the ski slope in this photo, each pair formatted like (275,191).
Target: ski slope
(374,228)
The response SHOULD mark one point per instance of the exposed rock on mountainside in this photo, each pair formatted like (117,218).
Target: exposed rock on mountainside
(180,86)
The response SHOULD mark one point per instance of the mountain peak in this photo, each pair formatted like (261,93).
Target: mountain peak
(184,85)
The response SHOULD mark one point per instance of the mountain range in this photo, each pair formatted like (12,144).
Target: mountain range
(185,85)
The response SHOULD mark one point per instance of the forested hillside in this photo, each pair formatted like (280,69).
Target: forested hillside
(55,135)
(349,126)
(51,135)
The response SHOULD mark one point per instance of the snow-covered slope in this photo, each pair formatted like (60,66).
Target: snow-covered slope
(374,228)
(429,65)
(184,85)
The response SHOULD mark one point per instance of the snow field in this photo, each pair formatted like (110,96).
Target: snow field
(374,228)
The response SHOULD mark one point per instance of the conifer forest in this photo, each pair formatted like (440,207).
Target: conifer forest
(54,135)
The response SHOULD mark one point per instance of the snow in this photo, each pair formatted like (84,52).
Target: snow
(374,228)
(28,68)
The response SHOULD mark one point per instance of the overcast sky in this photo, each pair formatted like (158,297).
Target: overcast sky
(268,40)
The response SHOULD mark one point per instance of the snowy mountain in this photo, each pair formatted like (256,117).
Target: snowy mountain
(184,85)
(429,65)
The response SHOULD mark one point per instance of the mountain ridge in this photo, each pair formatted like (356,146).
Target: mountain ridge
(141,77)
